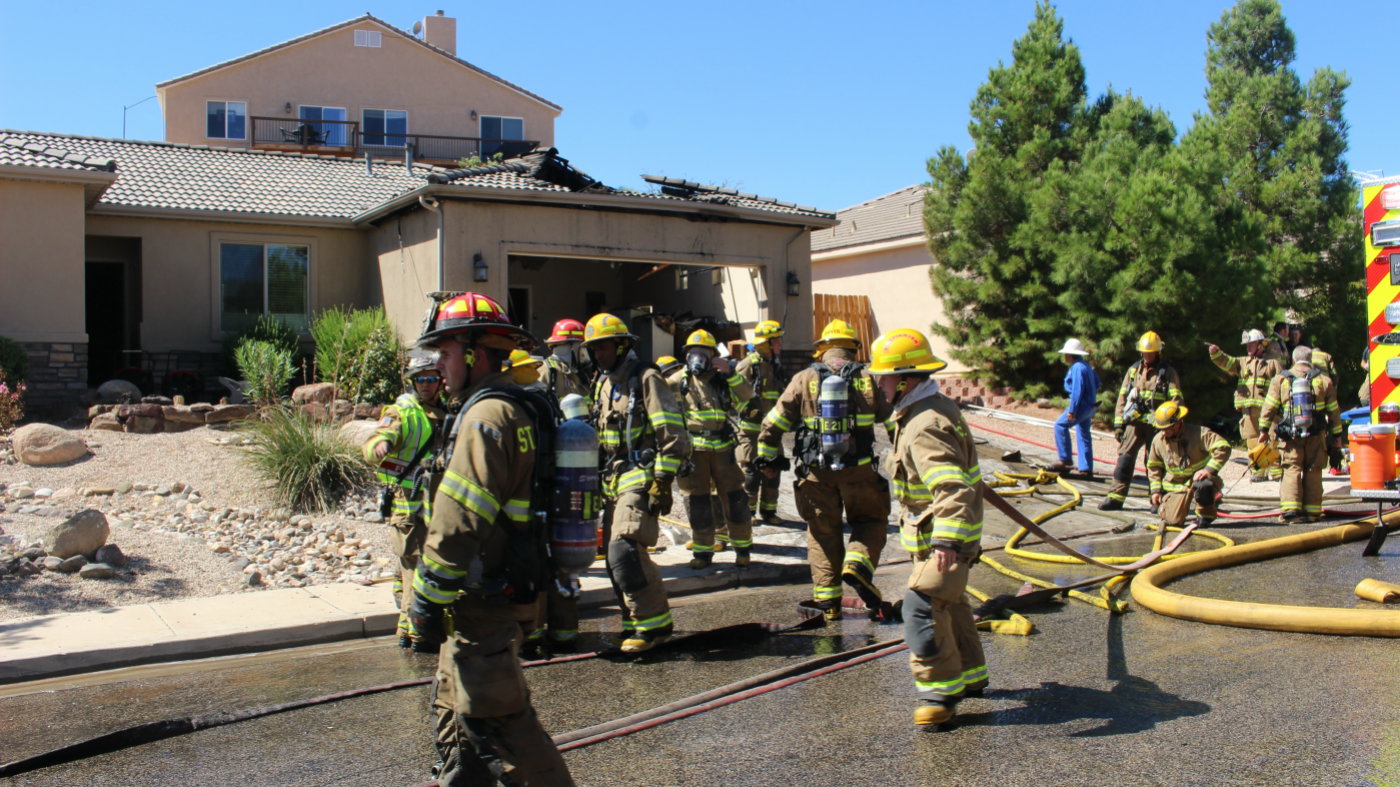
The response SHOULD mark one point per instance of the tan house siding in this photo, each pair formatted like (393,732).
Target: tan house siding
(329,70)
(41,260)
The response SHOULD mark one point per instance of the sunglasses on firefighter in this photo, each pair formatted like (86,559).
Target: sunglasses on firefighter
(427,378)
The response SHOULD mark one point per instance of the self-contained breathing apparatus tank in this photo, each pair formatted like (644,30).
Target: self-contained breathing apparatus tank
(1301,405)
(574,513)
(835,428)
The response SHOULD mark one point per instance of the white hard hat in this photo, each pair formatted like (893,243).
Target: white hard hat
(1252,335)
(1073,347)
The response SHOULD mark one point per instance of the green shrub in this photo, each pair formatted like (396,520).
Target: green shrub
(13,361)
(267,369)
(267,328)
(359,352)
(309,465)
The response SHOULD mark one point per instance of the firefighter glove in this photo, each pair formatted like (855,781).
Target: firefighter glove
(1334,455)
(659,496)
(1119,432)
(427,624)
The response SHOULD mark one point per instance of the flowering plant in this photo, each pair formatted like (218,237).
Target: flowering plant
(11,404)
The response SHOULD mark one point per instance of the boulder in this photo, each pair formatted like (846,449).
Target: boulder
(111,554)
(163,401)
(97,571)
(118,392)
(358,432)
(72,564)
(106,422)
(367,410)
(42,444)
(99,409)
(342,410)
(230,412)
(52,563)
(82,534)
(315,411)
(321,393)
(141,418)
(183,415)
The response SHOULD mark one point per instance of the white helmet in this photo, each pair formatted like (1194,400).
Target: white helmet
(1252,335)
(1073,347)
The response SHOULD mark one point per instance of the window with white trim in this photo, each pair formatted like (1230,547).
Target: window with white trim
(496,127)
(370,38)
(226,119)
(263,278)
(385,127)
(326,133)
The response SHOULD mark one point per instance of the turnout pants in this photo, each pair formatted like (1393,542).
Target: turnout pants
(487,732)
(717,469)
(945,653)
(630,527)
(764,501)
(1175,505)
(1249,430)
(821,496)
(1303,461)
(555,614)
(1137,436)
(406,538)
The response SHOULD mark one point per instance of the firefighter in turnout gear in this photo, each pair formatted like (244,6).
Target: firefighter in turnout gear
(404,448)
(708,392)
(643,444)
(1183,466)
(762,370)
(561,372)
(484,557)
(1149,383)
(836,466)
(1301,409)
(937,480)
(1255,372)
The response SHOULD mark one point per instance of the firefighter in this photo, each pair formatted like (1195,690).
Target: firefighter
(1255,372)
(525,370)
(1183,465)
(561,371)
(841,475)
(410,434)
(483,556)
(1276,345)
(937,480)
(644,443)
(1302,411)
(763,371)
(667,364)
(708,392)
(1149,383)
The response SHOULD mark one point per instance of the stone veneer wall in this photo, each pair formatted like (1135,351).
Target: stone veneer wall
(57,375)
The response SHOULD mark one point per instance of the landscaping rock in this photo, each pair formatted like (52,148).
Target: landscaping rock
(42,444)
(321,393)
(99,409)
(52,563)
(72,565)
(111,554)
(163,401)
(255,579)
(106,422)
(141,418)
(357,433)
(230,412)
(183,415)
(97,571)
(315,411)
(118,392)
(83,534)
(20,492)
(34,553)
(367,410)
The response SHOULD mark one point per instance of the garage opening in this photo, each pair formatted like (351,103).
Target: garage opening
(661,302)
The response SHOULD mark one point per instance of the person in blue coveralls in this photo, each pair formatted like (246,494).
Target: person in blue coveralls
(1082,385)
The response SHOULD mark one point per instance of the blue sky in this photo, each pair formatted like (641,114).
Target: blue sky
(821,103)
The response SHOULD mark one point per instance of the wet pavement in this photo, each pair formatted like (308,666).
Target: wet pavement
(1089,698)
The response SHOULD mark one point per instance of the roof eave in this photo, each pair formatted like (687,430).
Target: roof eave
(867,247)
(94,182)
(228,216)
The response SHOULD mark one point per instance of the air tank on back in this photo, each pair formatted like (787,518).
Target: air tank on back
(1302,395)
(574,514)
(835,425)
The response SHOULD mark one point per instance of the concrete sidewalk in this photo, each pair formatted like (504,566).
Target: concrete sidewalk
(56,645)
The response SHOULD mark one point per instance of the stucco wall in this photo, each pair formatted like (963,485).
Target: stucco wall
(406,252)
(41,261)
(179,272)
(897,283)
(331,71)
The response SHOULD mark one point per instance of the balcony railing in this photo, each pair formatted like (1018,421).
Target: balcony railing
(344,138)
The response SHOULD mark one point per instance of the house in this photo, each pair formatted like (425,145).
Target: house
(872,269)
(147,256)
(360,87)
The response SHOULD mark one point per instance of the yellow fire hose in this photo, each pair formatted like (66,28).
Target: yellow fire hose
(1148,588)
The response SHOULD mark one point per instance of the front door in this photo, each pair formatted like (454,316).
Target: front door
(106,321)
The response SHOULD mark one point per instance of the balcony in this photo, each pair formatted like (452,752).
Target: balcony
(344,138)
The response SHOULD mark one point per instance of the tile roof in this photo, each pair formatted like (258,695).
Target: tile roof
(227,180)
(897,215)
(20,152)
(718,195)
(347,23)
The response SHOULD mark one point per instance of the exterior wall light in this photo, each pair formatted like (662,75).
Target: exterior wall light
(480,271)
(794,286)
(287,108)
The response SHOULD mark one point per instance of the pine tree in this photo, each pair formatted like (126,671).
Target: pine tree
(988,216)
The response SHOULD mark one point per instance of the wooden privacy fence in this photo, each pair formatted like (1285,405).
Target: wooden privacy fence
(854,309)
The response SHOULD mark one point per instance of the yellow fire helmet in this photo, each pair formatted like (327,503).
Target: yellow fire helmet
(903,351)
(1149,342)
(837,334)
(524,368)
(766,330)
(1168,413)
(702,339)
(667,364)
(605,326)
(1263,456)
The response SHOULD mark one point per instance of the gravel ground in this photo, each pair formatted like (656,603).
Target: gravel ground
(188,513)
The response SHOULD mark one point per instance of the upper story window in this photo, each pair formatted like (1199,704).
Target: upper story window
(226,119)
(384,127)
(263,278)
(372,38)
(335,133)
(495,127)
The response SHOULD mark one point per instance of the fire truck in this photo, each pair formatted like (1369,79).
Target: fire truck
(1380,201)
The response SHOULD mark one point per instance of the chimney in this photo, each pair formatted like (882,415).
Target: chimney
(441,31)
